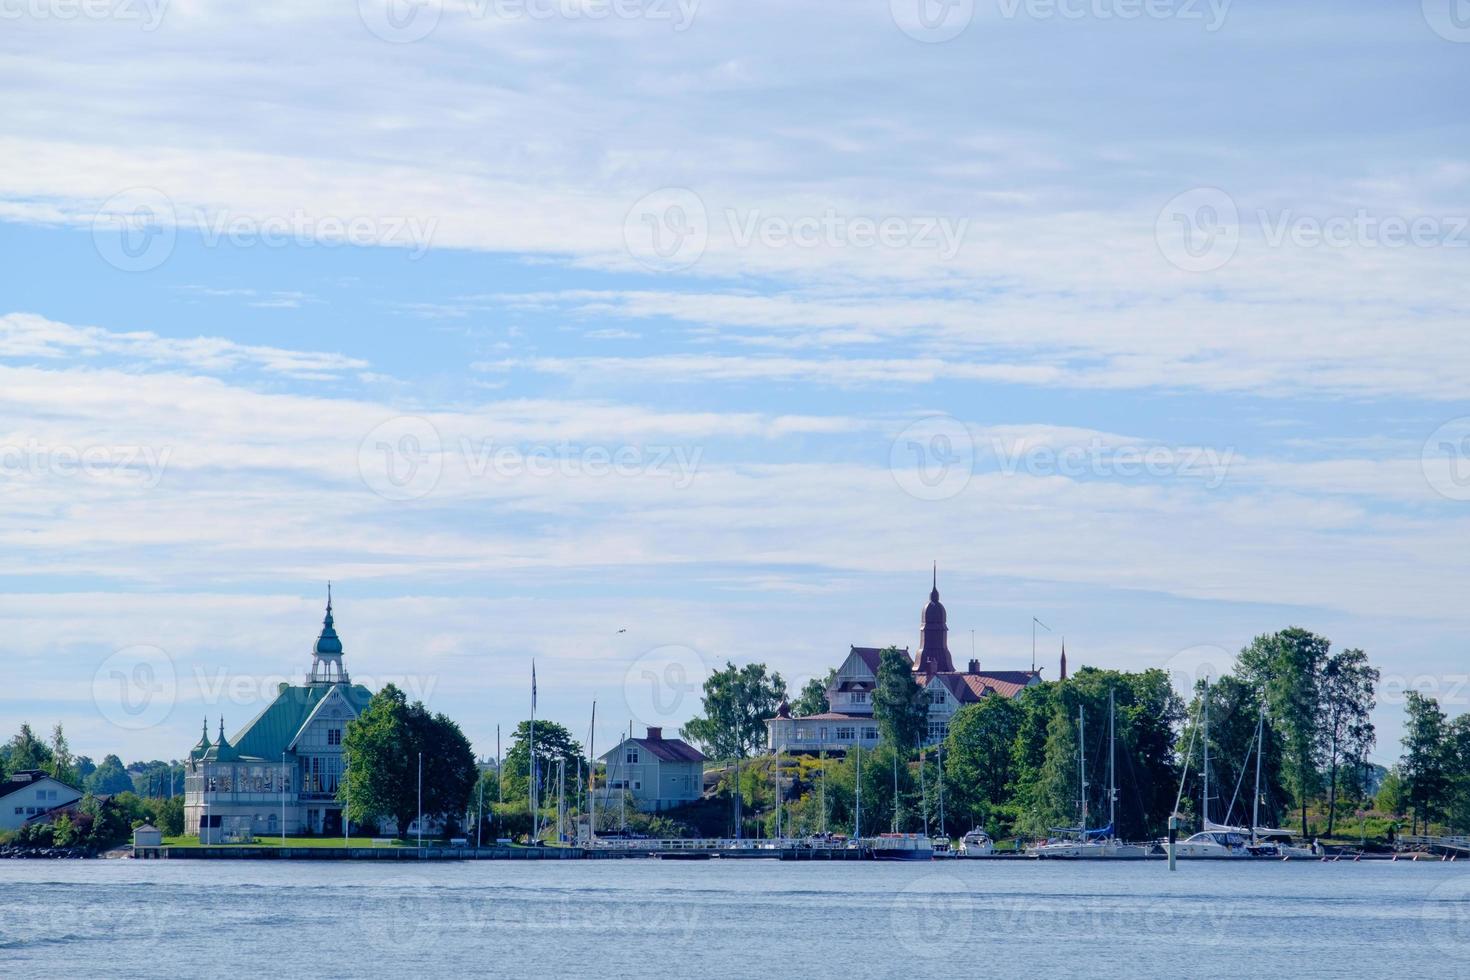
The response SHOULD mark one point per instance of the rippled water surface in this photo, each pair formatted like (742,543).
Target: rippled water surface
(732,919)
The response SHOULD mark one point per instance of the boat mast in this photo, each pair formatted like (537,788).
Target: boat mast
(1082,763)
(1112,752)
(592,778)
(1205,770)
(941,792)
(1260,749)
(857,816)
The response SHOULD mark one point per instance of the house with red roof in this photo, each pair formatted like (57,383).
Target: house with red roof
(656,772)
(849,721)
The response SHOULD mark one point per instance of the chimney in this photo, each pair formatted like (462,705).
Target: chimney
(974,666)
(655,734)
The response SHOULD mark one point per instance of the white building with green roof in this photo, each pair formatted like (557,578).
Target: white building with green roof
(285,763)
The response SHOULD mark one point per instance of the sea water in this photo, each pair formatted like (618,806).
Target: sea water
(748,918)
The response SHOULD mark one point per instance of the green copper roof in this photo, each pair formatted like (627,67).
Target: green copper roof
(329,644)
(269,733)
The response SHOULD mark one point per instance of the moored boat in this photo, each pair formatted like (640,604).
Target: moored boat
(902,847)
(976,844)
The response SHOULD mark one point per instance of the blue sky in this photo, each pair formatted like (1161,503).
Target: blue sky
(716,324)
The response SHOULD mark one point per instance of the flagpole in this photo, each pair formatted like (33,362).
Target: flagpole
(419,821)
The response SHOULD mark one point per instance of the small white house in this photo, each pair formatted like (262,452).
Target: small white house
(29,793)
(147,836)
(657,772)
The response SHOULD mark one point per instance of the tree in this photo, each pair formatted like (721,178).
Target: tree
(1392,798)
(26,751)
(813,697)
(1424,768)
(979,764)
(737,702)
(1287,666)
(900,706)
(61,767)
(1458,743)
(553,744)
(383,746)
(1050,799)
(1348,698)
(110,777)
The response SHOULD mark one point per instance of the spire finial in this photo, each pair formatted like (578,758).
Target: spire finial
(329,595)
(221,728)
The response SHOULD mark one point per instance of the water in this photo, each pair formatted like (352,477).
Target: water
(732,918)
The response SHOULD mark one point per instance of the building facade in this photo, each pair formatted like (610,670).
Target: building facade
(280,773)
(849,722)
(32,793)
(656,772)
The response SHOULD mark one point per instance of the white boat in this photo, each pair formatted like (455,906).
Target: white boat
(1271,842)
(976,844)
(1081,844)
(943,848)
(902,847)
(1214,844)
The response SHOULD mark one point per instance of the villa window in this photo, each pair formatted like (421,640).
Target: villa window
(632,757)
(334,736)
(858,697)
(846,734)
(870,734)
(936,697)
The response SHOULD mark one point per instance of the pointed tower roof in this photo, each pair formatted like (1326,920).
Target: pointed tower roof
(201,746)
(1064,658)
(326,659)
(328,642)
(934,655)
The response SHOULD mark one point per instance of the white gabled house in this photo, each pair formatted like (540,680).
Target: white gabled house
(31,793)
(656,772)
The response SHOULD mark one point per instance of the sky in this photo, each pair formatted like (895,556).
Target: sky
(640,336)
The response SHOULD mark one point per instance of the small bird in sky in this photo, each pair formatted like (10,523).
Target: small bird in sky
(623,630)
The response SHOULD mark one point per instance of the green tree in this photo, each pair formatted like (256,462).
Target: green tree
(1391,798)
(1458,744)
(1050,798)
(979,762)
(813,697)
(26,751)
(1425,767)
(62,767)
(553,744)
(737,702)
(900,706)
(383,747)
(109,777)
(1349,696)
(1288,666)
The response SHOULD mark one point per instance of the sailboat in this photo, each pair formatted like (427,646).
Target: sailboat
(1214,841)
(1103,842)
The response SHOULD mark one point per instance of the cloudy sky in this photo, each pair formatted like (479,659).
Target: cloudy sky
(639,336)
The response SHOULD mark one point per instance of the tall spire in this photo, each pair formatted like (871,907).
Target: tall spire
(1064,658)
(933,634)
(326,663)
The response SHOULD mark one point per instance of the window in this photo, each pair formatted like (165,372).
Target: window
(334,736)
(858,697)
(632,757)
(870,734)
(637,784)
(936,697)
(20,810)
(846,733)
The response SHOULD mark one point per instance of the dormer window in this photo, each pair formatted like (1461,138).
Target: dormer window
(858,697)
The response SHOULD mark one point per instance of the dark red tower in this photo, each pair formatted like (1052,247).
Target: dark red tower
(934,636)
